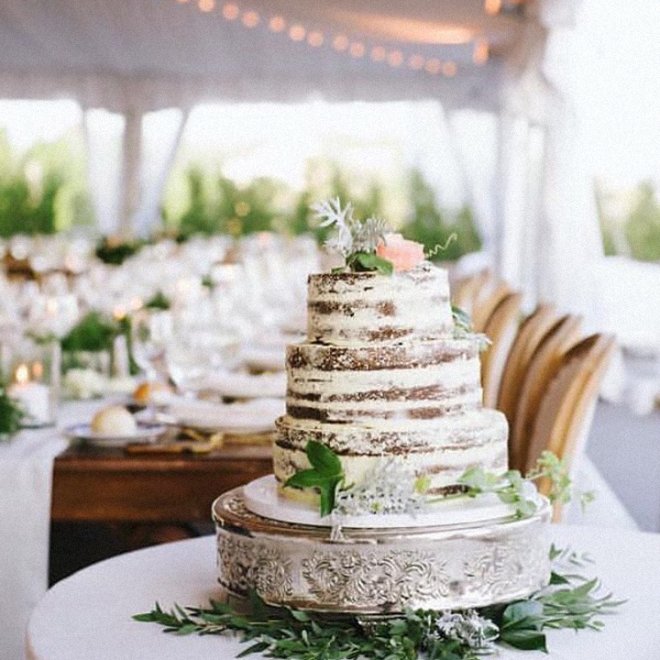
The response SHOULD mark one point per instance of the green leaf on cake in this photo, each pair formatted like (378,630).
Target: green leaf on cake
(323,459)
(368,261)
(325,475)
(461,318)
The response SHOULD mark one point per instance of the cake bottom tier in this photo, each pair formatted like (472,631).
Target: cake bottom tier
(379,571)
(441,449)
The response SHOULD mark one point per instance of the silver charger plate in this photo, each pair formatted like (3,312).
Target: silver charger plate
(145,433)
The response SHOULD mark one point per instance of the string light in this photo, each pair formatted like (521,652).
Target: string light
(481,52)
(433,66)
(449,69)
(341,43)
(297,32)
(206,5)
(276,24)
(378,54)
(230,11)
(315,39)
(416,62)
(492,7)
(357,49)
(395,58)
(250,19)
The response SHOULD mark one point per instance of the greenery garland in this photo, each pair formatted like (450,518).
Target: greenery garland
(569,601)
(11,414)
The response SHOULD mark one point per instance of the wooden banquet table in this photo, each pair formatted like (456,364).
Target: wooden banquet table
(88,615)
(108,485)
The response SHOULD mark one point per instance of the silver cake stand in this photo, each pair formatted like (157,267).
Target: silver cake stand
(380,570)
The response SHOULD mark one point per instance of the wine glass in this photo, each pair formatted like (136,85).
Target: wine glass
(151,330)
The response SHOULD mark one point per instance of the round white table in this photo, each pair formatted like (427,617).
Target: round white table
(88,615)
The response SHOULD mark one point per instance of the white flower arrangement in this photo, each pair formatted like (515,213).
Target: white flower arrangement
(390,487)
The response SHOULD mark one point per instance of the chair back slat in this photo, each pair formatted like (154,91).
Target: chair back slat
(542,369)
(565,415)
(529,336)
(501,328)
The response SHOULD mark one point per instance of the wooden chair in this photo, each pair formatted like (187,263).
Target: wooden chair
(486,302)
(501,328)
(465,290)
(541,370)
(529,336)
(564,417)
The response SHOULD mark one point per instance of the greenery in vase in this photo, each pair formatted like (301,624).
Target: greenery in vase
(158,301)
(11,414)
(115,251)
(569,601)
(93,333)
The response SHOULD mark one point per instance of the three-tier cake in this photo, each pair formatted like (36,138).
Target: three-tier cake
(384,382)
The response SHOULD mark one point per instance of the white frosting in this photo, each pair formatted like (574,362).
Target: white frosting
(380,436)
(443,465)
(414,303)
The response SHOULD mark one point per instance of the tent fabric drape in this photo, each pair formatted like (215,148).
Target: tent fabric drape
(163,53)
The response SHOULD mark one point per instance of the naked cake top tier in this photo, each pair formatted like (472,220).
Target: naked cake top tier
(353,309)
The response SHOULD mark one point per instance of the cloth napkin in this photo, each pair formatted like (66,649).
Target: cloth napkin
(247,417)
(263,358)
(239,385)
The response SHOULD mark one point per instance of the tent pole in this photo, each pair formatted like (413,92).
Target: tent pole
(130,173)
(149,207)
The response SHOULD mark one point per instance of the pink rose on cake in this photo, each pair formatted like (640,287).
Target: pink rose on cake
(402,253)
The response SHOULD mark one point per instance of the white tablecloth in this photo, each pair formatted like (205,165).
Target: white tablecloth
(26,472)
(88,615)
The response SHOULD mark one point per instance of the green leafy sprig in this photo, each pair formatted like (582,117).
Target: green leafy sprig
(94,332)
(368,261)
(12,414)
(355,240)
(325,475)
(282,632)
(158,301)
(512,488)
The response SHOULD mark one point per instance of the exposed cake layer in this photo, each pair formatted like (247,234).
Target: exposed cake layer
(421,380)
(363,308)
(442,448)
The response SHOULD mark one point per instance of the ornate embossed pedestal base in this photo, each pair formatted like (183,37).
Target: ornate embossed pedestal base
(379,571)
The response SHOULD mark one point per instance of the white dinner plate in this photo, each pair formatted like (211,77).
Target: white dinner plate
(249,417)
(144,433)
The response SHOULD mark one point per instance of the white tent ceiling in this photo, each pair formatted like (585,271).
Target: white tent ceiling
(177,52)
(133,56)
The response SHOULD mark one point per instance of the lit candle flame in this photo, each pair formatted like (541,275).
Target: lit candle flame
(37,371)
(22,375)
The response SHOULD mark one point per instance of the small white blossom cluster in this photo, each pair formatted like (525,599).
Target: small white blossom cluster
(352,235)
(389,488)
(468,627)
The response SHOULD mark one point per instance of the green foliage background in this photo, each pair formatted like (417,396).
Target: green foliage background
(43,190)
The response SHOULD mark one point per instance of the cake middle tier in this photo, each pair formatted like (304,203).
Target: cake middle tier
(441,449)
(421,380)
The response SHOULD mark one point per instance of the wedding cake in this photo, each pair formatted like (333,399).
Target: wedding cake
(381,376)
(368,508)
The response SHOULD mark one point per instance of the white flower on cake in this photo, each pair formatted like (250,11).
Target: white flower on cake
(366,245)
(390,487)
